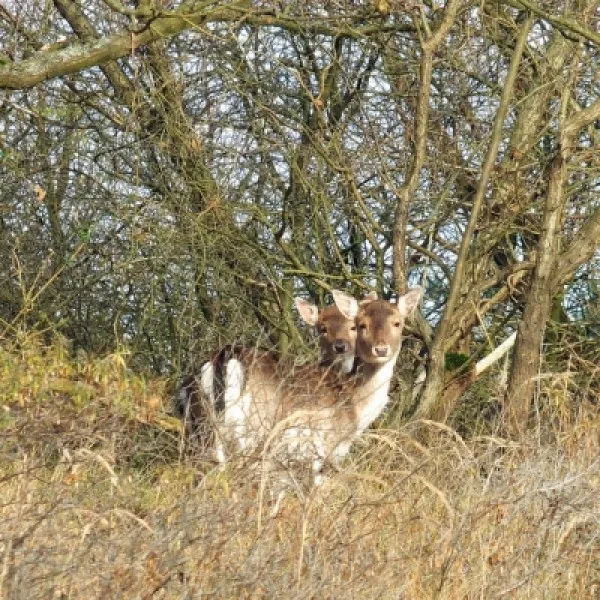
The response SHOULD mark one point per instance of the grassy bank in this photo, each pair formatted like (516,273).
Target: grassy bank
(99,500)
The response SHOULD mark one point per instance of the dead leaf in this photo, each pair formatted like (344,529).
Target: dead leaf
(381,6)
(195,144)
(40,192)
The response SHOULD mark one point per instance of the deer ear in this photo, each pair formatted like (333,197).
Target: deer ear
(309,312)
(347,305)
(408,302)
(370,297)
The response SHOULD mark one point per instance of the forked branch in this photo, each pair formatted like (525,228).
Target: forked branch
(434,386)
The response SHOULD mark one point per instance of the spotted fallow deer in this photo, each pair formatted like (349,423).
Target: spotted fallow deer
(309,414)
(216,397)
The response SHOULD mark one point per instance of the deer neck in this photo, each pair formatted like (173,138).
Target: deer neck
(370,394)
(343,366)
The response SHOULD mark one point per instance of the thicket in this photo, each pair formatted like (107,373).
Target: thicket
(173,174)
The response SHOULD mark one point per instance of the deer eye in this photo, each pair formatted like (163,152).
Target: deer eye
(397,324)
(353,328)
(322,329)
(363,326)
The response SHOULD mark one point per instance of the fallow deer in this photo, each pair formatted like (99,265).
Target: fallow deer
(216,397)
(310,414)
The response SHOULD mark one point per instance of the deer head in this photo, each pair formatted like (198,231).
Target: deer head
(337,333)
(379,323)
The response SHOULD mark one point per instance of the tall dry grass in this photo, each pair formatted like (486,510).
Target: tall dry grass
(98,500)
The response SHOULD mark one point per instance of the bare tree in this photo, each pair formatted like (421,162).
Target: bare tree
(175,173)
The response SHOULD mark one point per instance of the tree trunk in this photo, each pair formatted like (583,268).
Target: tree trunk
(433,392)
(530,335)
(548,275)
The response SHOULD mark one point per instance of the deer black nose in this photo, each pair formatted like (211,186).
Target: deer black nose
(381,351)
(340,346)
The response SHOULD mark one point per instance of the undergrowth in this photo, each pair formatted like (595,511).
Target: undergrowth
(99,499)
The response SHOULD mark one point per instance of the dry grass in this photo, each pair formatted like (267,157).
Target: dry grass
(97,501)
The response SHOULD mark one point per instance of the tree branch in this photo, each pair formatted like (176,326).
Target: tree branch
(560,23)
(581,118)
(432,392)
(77,57)
(587,240)
(85,31)
(406,192)
(581,249)
(144,9)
